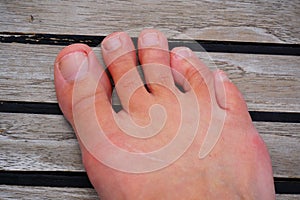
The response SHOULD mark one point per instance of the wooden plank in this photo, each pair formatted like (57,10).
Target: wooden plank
(38,142)
(37,193)
(269,83)
(282,140)
(208,20)
(287,196)
(47,143)
(52,193)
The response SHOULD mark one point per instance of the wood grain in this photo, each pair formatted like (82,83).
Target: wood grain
(38,142)
(47,143)
(46,193)
(235,20)
(269,83)
(282,140)
(52,193)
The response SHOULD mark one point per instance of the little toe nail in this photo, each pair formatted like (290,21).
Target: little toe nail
(112,43)
(150,39)
(73,65)
(223,77)
(183,53)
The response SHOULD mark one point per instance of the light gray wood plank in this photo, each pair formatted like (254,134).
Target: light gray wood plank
(38,142)
(235,20)
(287,196)
(47,143)
(283,142)
(37,193)
(52,193)
(268,82)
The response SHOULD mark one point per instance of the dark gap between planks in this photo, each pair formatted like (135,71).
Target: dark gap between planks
(209,46)
(80,180)
(53,109)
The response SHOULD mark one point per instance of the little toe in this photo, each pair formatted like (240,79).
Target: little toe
(227,94)
(120,57)
(154,56)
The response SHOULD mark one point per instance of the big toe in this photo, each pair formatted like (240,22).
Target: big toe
(77,73)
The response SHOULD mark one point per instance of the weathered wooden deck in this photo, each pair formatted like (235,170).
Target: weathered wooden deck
(257,44)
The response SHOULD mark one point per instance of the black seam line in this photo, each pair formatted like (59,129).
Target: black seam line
(45,179)
(80,180)
(53,109)
(197,45)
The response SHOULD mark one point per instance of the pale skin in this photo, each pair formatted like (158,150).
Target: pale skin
(237,167)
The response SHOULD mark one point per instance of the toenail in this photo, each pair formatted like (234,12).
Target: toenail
(150,39)
(223,77)
(73,66)
(183,53)
(112,43)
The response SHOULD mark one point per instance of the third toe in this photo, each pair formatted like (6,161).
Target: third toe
(155,59)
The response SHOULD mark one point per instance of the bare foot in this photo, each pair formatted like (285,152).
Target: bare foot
(164,143)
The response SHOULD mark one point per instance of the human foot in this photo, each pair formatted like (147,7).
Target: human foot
(196,144)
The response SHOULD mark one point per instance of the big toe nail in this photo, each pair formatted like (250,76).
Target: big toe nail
(73,66)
